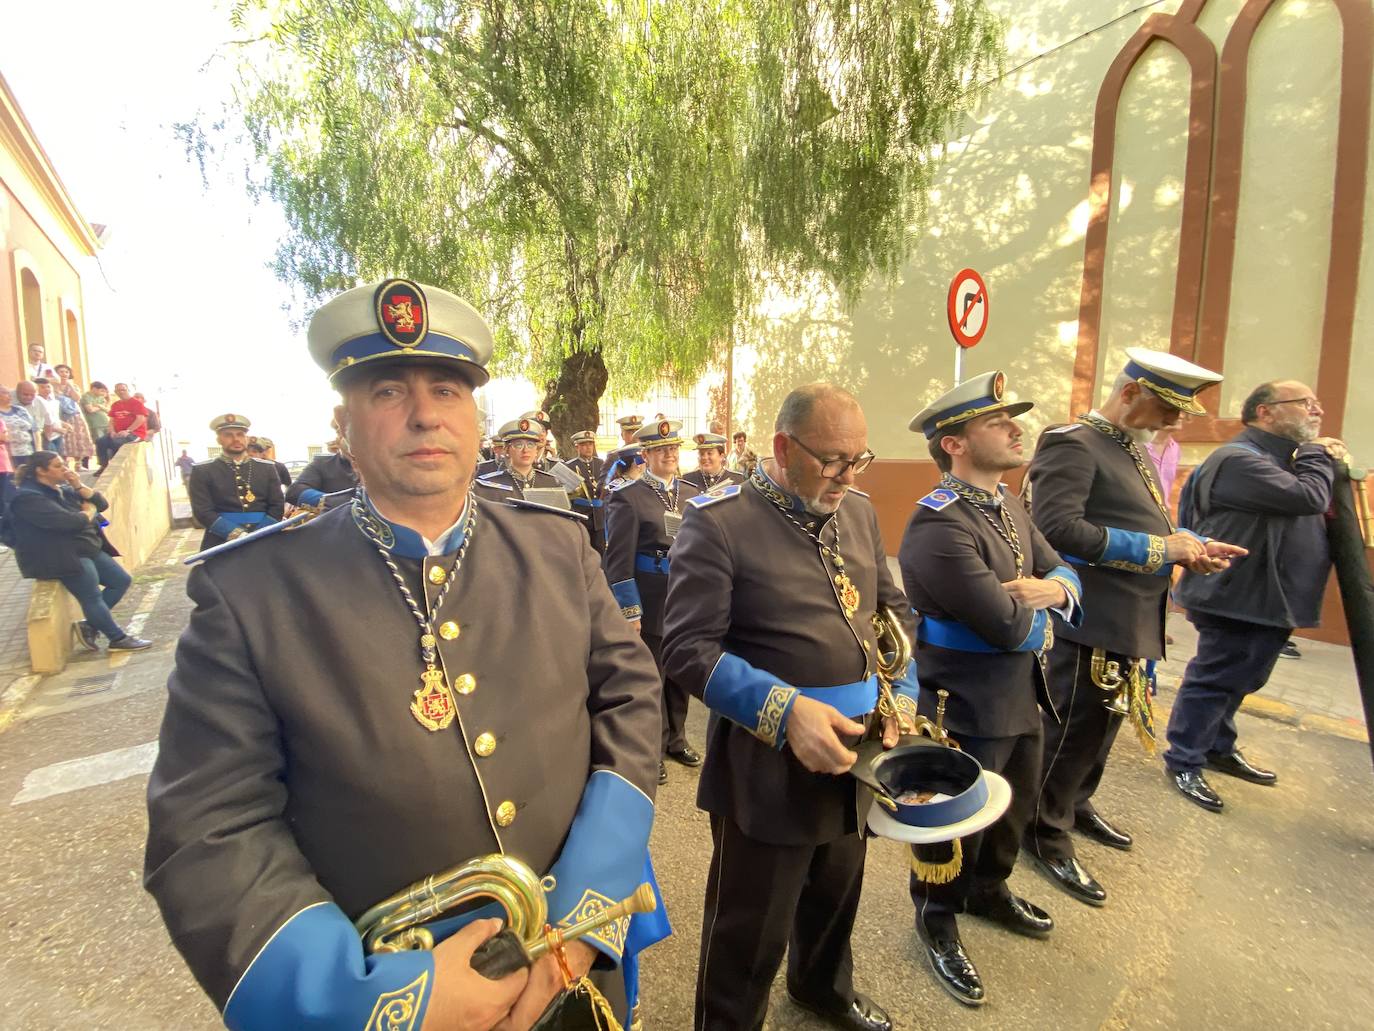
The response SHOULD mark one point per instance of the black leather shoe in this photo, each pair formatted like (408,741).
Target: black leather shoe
(1013,913)
(1101,831)
(954,971)
(1193,786)
(1070,875)
(662,772)
(863,1014)
(687,755)
(129,643)
(86,635)
(1236,765)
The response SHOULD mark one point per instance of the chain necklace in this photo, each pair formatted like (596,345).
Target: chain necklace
(432,705)
(669,504)
(242,485)
(982,501)
(845,589)
(1123,438)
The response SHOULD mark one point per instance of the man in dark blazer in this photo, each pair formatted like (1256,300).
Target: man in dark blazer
(55,523)
(771,595)
(233,493)
(642,519)
(366,701)
(1268,489)
(1095,495)
(710,471)
(984,581)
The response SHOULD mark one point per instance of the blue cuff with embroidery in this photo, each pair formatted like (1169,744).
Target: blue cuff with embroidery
(228,522)
(605,858)
(751,697)
(310,496)
(313,973)
(907,684)
(1072,611)
(627,597)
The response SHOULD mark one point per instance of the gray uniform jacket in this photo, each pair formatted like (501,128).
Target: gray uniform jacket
(699,479)
(498,485)
(637,544)
(747,583)
(1084,486)
(326,474)
(291,770)
(218,506)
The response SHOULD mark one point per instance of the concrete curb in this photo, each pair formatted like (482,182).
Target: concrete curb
(1283,712)
(15,696)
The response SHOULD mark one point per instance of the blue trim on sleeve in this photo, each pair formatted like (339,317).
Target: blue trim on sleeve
(1126,546)
(310,496)
(1071,613)
(626,594)
(1034,641)
(604,858)
(907,684)
(313,973)
(751,697)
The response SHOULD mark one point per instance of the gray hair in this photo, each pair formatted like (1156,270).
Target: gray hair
(798,406)
(1263,394)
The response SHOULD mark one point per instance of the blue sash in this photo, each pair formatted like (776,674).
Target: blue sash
(950,633)
(651,564)
(588,502)
(852,700)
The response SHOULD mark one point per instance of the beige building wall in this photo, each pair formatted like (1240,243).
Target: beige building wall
(1012,201)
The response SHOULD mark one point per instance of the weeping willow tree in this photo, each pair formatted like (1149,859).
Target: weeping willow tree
(608,181)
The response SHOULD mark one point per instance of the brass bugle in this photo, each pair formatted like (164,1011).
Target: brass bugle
(642,901)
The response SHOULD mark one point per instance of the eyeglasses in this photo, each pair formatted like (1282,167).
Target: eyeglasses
(834,468)
(522,445)
(1310,403)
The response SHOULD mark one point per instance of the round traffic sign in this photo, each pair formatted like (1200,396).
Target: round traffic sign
(968,308)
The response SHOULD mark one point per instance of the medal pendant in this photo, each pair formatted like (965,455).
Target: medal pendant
(849,594)
(433,704)
(249,497)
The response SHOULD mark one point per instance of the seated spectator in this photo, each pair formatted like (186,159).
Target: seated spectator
(56,529)
(80,443)
(128,422)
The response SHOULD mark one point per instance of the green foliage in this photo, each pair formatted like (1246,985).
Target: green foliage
(608,178)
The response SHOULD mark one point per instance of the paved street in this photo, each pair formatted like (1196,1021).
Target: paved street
(1258,918)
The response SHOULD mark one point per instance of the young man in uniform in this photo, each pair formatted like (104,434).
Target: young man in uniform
(233,493)
(590,498)
(642,518)
(984,581)
(710,471)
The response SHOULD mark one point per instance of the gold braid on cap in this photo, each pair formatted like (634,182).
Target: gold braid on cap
(1173,397)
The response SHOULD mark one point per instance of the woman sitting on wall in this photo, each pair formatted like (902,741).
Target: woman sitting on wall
(55,524)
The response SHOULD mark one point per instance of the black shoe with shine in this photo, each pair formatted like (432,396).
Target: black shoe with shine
(1289,651)
(662,772)
(1236,765)
(862,1013)
(1069,875)
(954,971)
(86,635)
(1101,831)
(687,755)
(1012,912)
(130,643)
(1193,786)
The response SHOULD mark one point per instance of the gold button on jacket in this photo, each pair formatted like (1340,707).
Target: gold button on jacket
(485,744)
(505,814)
(449,630)
(437,575)
(465,684)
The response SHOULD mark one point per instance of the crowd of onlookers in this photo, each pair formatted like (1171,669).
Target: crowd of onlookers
(51,411)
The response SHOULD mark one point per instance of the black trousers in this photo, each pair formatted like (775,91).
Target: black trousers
(988,855)
(675,699)
(1233,659)
(764,899)
(1076,749)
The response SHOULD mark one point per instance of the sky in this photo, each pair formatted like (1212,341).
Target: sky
(184,302)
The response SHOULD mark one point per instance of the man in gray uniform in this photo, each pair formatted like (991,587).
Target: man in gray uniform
(359,704)
(771,598)
(1096,497)
(642,518)
(233,493)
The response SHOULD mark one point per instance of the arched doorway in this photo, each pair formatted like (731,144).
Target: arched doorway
(76,356)
(30,312)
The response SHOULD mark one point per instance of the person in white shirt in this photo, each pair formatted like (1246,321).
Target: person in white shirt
(26,394)
(38,364)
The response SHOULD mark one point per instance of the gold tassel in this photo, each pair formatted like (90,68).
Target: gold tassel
(601,1009)
(1142,710)
(939,873)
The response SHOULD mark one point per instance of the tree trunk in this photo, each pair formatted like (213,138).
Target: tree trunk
(571,399)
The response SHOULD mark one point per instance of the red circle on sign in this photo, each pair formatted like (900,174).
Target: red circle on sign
(968,308)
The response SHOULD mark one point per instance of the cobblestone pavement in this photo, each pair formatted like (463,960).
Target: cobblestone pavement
(1256,918)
